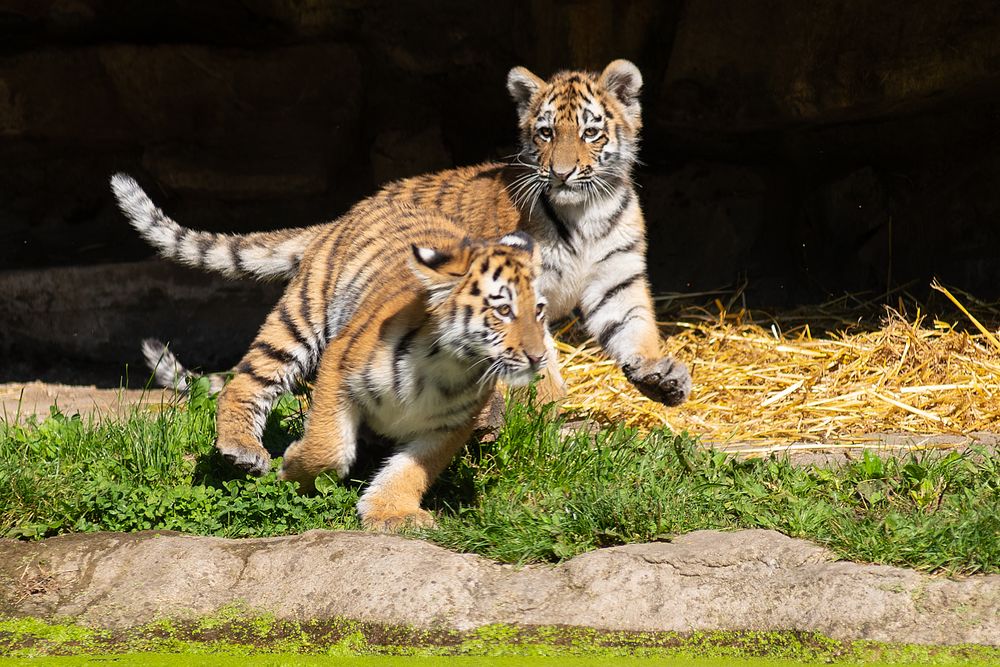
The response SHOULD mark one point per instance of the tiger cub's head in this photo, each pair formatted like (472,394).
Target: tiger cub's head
(579,130)
(485,306)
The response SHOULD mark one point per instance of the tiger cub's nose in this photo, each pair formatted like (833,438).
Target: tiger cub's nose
(563,175)
(535,361)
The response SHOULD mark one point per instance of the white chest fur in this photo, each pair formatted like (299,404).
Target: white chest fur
(404,396)
(572,254)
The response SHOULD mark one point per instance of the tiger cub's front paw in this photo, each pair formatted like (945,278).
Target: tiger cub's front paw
(665,380)
(247,456)
(393,523)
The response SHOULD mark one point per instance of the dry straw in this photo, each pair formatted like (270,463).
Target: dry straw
(759,389)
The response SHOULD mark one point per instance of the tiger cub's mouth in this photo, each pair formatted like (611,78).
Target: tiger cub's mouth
(517,373)
(567,193)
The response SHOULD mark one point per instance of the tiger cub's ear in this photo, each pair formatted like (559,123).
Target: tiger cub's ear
(523,85)
(440,268)
(521,240)
(622,79)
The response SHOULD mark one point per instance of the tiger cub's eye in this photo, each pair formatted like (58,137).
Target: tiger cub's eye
(590,133)
(504,310)
(545,133)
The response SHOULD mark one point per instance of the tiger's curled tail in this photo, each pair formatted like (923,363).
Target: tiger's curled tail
(263,255)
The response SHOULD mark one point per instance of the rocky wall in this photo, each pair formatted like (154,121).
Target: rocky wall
(806,148)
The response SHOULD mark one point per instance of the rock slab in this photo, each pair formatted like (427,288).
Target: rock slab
(707,580)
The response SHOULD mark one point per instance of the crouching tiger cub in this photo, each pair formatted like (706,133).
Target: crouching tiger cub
(423,328)
(570,187)
(418,353)
(419,357)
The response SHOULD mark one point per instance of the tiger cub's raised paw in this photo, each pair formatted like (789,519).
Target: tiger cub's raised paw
(665,380)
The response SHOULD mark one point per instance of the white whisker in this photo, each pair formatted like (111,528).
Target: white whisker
(523,190)
(528,193)
(537,194)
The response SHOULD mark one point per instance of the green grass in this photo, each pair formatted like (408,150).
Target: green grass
(533,495)
(151,471)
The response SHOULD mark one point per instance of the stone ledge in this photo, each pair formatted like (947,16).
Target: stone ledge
(707,580)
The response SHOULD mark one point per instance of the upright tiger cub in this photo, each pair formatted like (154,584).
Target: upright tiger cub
(570,187)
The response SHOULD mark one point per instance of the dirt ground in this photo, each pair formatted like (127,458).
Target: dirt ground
(22,400)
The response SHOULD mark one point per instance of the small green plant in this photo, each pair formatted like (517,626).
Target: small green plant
(537,493)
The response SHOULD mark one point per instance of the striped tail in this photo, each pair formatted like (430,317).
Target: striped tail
(168,371)
(262,255)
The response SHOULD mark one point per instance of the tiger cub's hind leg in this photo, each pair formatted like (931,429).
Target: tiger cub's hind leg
(243,408)
(330,441)
(283,351)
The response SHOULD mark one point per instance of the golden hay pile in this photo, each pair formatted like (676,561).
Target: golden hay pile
(756,386)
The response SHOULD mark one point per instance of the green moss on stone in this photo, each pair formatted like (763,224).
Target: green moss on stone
(236,632)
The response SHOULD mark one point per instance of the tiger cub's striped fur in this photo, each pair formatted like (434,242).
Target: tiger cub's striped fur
(424,321)
(570,187)
(432,329)
(263,255)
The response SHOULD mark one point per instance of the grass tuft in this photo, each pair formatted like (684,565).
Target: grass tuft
(151,471)
(540,496)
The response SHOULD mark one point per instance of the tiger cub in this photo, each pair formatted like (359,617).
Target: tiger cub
(570,187)
(426,321)
(418,353)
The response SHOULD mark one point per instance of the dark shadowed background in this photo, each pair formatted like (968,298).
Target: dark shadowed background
(806,148)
